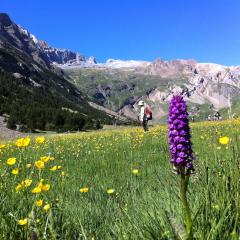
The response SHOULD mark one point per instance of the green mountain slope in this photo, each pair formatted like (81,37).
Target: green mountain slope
(35,94)
(119,85)
(116,88)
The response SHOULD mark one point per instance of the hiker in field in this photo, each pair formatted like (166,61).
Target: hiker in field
(145,115)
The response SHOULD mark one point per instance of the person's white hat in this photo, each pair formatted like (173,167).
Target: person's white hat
(141,103)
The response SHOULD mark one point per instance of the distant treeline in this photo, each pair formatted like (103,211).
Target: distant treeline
(33,108)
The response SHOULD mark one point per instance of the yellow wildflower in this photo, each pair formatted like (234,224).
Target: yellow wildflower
(62,173)
(45,159)
(15,171)
(27,182)
(2,145)
(224,140)
(59,167)
(37,190)
(54,168)
(39,164)
(40,140)
(46,207)
(110,191)
(39,203)
(28,165)
(22,222)
(135,171)
(45,187)
(18,187)
(23,142)
(83,190)
(11,161)
(41,187)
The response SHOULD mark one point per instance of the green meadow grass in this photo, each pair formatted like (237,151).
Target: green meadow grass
(143,206)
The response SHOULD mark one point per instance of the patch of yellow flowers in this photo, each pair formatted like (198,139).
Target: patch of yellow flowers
(41,187)
(39,164)
(23,142)
(224,140)
(11,161)
(2,145)
(40,140)
(24,184)
(23,222)
(15,171)
(39,203)
(84,190)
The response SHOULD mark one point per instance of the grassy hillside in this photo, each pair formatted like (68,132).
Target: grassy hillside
(36,97)
(115,88)
(119,185)
(39,108)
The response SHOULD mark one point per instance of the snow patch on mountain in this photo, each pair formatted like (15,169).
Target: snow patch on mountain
(112,63)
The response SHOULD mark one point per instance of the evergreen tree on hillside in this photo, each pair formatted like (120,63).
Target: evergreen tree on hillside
(36,108)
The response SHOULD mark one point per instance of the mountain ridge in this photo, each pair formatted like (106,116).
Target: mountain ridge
(119,84)
(208,85)
(33,92)
(40,50)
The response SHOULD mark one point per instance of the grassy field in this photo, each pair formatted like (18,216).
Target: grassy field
(118,185)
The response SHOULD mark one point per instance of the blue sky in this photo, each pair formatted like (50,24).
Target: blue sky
(205,30)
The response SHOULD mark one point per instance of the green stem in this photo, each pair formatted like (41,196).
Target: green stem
(183,189)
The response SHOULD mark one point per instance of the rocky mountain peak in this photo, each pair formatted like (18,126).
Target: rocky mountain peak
(40,50)
(158,61)
(92,60)
(5,20)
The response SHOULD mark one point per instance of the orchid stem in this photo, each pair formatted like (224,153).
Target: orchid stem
(188,220)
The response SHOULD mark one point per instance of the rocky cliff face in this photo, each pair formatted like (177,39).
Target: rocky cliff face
(119,85)
(38,49)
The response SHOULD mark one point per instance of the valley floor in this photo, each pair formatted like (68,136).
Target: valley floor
(8,134)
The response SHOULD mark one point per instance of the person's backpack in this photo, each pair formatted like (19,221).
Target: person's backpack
(148,113)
